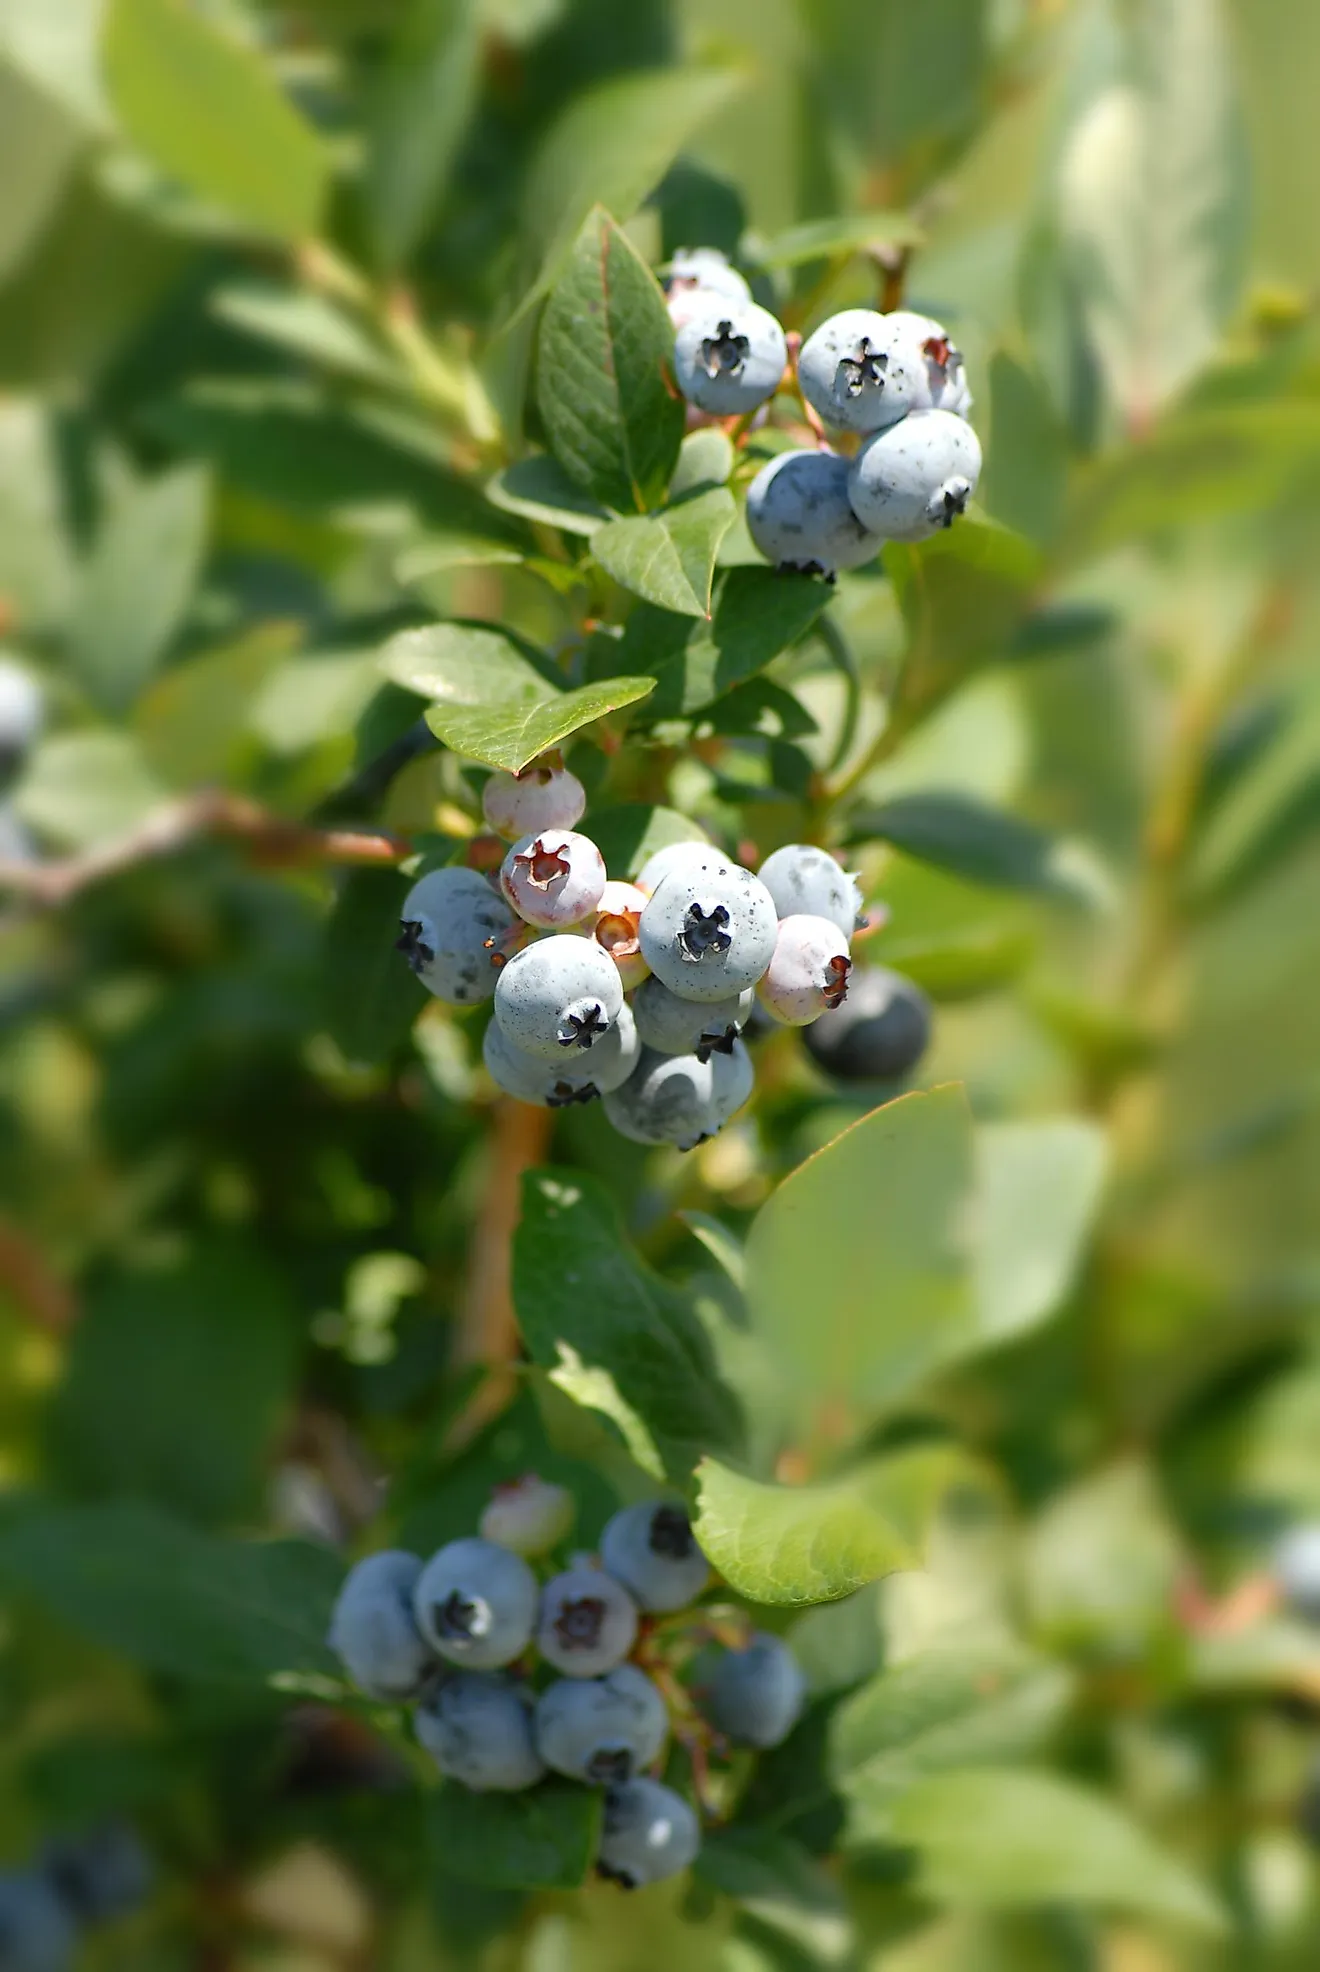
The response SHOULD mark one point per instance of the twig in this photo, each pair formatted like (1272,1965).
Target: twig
(27,1278)
(271,839)
(487,1325)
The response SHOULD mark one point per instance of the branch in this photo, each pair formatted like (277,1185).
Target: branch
(212,814)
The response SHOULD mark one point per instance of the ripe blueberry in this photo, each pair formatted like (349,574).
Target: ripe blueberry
(601,1730)
(374,1632)
(755,1696)
(674,1026)
(577,1077)
(478,1729)
(708,930)
(879,1033)
(729,356)
(452,923)
(587,1624)
(558,997)
(650,1833)
(476,1604)
(802,878)
(37,1932)
(652,1550)
(799,517)
(853,375)
(674,856)
(917,477)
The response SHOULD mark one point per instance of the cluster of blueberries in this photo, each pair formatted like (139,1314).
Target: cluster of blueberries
(639,993)
(460,1636)
(893,383)
(79,1881)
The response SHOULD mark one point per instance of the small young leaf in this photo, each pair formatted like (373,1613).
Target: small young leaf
(139,583)
(669,559)
(543,1839)
(538,488)
(205,109)
(705,459)
(802,1544)
(494,704)
(613,419)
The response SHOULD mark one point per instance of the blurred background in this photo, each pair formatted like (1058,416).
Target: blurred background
(261,348)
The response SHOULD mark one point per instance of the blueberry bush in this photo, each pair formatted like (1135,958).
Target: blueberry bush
(659,1072)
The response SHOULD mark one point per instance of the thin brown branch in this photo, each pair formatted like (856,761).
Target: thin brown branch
(212,814)
(487,1325)
(30,1282)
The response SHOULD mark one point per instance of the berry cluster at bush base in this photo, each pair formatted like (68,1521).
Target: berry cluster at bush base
(894,384)
(521,1660)
(634,993)
(77,1882)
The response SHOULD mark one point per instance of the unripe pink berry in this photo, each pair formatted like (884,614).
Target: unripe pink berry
(543,796)
(529,1514)
(553,879)
(808,973)
(615,931)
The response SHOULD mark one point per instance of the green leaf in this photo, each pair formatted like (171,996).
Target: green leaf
(781,1886)
(613,1333)
(1026,479)
(1277,785)
(984,845)
(306,325)
(706,458)
(80,788)
(56,48)
(194,721)
(756,614)
(999,1836)
(1038,1187)
(1199,465)
(418,115)
(963,595)
(629,835)
(538,488)
(139,583)
(803,1544)
(608,148)
(825,239)
(1102,1564)
(614,421)
(1153,190)
(669,559)
(177,1382)
(370,995)
(493,703)
(136,1581)
(39,145)
(543,1839)
(940,1711)
(206,110)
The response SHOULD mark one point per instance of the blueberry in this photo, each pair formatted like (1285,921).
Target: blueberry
(558,997)
(709,928)
(808,975)
(37,1932)
(910,481)
(855,376)
(755,1696)
(450,923)
(674,856)
(650,1833)
(879,1033)
(1297,1570)
(601,1730)
(476,1603)
(652,1550)
(707,270)
(729,356)
(478,1729)
(732,1080)
(799,517)
(576,1077)
(674,1026)
(374,1631)
(100,1874)
(553,879)
(615,929)
(542,796)
(923,347)
(529,1514)
(588,1622)
(666,1100)
(802,878)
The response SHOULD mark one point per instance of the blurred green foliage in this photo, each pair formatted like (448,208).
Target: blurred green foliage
(279,390)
